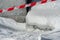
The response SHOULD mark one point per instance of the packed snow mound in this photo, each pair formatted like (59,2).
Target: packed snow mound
(44,16)
(10,23)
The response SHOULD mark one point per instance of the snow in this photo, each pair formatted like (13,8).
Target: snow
(7,39)
(52,35)
(18,35)
(12,24)
(44,16)
(12,30)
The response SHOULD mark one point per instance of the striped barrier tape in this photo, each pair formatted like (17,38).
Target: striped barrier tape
(22,6)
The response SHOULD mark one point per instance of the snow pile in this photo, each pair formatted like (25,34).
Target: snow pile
(44,16)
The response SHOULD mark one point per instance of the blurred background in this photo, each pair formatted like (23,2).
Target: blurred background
(18,15)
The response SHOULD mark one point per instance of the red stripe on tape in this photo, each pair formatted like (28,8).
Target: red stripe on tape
(43,1)
(22,6)
(33,4)
(10,9)
(1,11)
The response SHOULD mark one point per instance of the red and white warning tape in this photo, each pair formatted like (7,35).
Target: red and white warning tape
(22,6)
